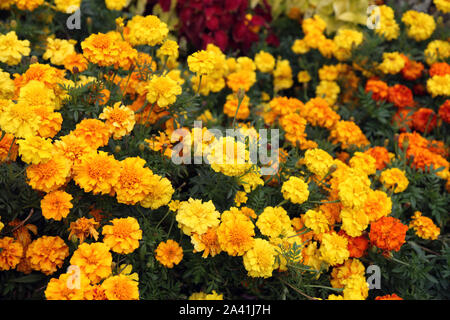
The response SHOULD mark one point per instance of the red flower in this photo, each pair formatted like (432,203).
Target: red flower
(444,111)
(424,119)
(401,96)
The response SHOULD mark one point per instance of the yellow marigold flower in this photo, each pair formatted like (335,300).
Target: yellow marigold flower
(419,26)
(229,156)
(97,172)
(333,248)
(162,90)
(303,76)
(437,50)
(282,75)
(197,216)
(7,86)
(58,50)
(29,5)
(6,4)
(169,253)
(115,4)
(251,180)
(328,73)
(377,205)
(387,26)
(354,221)
(56,205)
(203,296)
(335,297)
(95,132)
(311,256)
(35,150)
(243,79)
(274,222)
(240,198)
(72,148)
(12,49)
(49,176)
(134,182)
(300,47)
(169,48)
(442,5)
(328,90)
(318,162)
(123,235)
(47,254)
(259,261)
(147,30)
(355,287)
(316,221)
(347,133)
(392,63)
(17,120)
(348,39)
(354,189)
(202,62)
(264,61)
(82,228)
(235,233)
(121,287)
(10,254)
(314,24)
(424,227)
(67,6)
(68,286)
(295,189)
(94,260)
(343,272)
(36,94)
(327,47)
(160,193)
(363,162)
(439,85)
(394,178)
(206,242)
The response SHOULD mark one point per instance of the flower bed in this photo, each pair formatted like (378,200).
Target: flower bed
(272,157)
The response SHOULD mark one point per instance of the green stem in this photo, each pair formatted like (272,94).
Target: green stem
(165,216)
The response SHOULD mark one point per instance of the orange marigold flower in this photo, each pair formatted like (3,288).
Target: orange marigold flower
(94,260)
(401,96)
(379,89)
(10,254)
(121,287)
(56,205)
(403,119)
(424,227)
(95,292)
(97,172)
(348,133)
(235,233)
(318,112)
(357,246)
(412,69)
(75,63)
(169,253)
(83,228)
(68,286)
(389,297)
(123,235)
(120,120)
(49,176)
(381,156)
(388,233)
(439,69)
(424,120)
(95,132)
(444,111)
(206,242)
(8,146)
(72,148)
(47,254)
